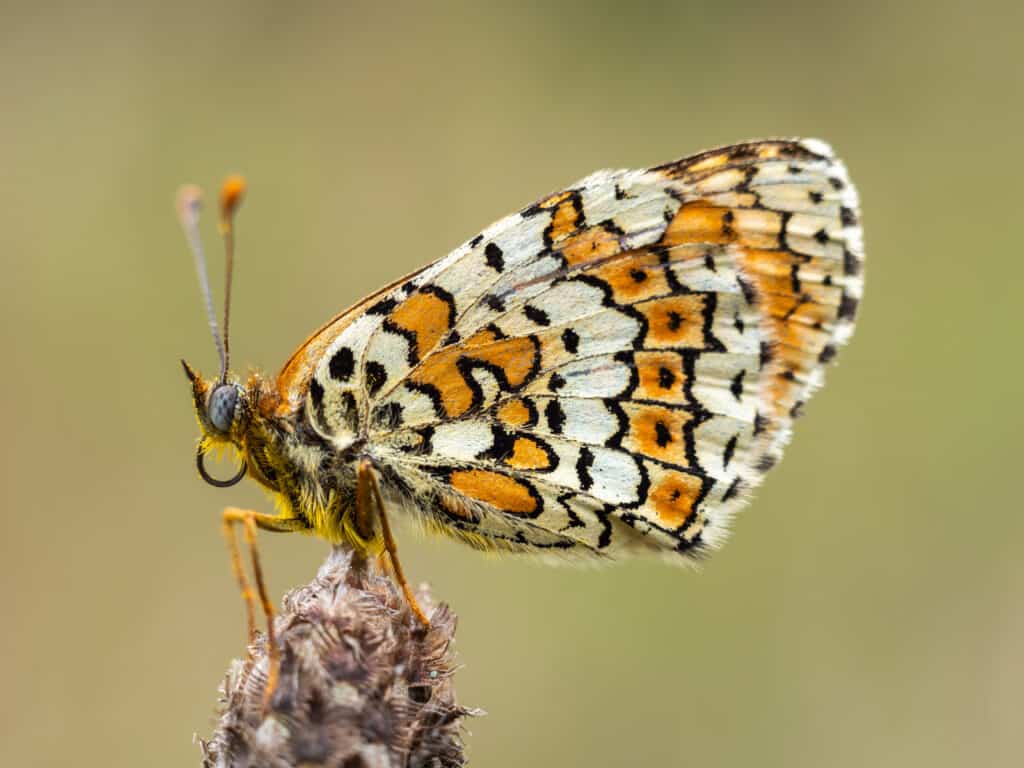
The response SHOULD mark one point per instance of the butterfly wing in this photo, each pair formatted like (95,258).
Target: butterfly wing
(615,367)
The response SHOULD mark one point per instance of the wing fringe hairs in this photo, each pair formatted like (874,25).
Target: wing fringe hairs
(360,684)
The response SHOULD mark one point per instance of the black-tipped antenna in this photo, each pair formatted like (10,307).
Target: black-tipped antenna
(230,198)
(189,202)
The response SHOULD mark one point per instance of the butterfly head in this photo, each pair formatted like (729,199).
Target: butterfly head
(222,408)
(224,413)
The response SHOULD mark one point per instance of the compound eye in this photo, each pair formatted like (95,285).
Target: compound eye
(221,410)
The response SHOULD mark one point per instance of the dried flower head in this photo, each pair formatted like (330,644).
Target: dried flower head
(362,685)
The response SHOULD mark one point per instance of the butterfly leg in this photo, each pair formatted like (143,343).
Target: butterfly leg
(368,495)
(228,527)
(250,521)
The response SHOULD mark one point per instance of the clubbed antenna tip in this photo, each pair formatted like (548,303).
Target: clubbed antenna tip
(231,194)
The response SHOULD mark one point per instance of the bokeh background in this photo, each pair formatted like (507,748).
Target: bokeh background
(868,610)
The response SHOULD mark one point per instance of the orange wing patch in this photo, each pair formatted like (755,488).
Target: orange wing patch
(703,222)
(516,358)
(676,321)
(445,372)
(700,222)
(661,376)
(590,245)
(440,374)
(515,413)
(658,432)
(566,219)
(527,453)
(501,491)
(674,495)
(636,277)
(425,315)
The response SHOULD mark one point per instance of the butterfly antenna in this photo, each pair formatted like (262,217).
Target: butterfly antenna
(190,199)
(230,198)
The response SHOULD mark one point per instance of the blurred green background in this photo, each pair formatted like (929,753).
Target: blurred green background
(867,611)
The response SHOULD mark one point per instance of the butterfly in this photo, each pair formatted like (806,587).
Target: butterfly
(610,371)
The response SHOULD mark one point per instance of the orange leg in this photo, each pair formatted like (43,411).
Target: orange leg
(367,491)
(250,521)
(228,527)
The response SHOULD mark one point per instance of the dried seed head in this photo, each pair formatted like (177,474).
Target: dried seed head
(362,684)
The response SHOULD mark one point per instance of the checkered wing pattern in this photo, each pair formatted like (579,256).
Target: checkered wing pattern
(613,368)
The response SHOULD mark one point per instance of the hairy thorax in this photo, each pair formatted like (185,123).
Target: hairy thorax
(310,478)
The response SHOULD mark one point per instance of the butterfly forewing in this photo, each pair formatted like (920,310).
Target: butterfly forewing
(614,367)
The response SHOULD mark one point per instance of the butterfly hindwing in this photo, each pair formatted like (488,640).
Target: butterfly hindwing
(614,367)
